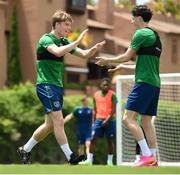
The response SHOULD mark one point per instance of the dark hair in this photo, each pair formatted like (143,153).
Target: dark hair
(143,11)
(107,80)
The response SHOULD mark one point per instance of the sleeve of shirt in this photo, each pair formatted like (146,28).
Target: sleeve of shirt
(114,99)
(46,41)
(66,42)
(137,40)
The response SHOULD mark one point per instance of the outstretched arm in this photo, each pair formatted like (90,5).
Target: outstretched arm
(129,54)
(68,118)
(61,51)
(122,66)
(89,52)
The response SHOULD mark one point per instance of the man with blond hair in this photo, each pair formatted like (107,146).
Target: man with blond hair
(50,50)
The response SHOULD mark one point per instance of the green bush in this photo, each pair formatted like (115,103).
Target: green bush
(75,86)
(19,115)
(168,7)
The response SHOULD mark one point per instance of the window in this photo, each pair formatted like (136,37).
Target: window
(76,6)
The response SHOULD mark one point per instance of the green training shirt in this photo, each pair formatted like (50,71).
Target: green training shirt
(147,66)
(50,69)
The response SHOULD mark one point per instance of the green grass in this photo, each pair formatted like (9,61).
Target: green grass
(95,169)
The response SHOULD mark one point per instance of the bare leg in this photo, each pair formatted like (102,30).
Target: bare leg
(149,130)
(39,134)
(81,149)
(110,151)
(43,130)
(110,146)
(91,147)
(87,146)
(58,126)
(129,119)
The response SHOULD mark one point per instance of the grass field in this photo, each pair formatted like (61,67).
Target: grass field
(95,169)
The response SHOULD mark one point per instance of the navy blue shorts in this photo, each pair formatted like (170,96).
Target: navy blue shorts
(109,131)
(51,97)
(143,99)
(83,135)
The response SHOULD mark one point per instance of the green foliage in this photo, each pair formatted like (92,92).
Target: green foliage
(18,113)
(91,2)
(159,7)
(124,3)
(168,7)
(14,70)
(76,86)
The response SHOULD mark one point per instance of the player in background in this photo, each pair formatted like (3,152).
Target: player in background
(83,115)
(104,121)
(50,51)
(143,99)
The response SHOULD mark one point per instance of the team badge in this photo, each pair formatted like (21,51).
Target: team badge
(56,104)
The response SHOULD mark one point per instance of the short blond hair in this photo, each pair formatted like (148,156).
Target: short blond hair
(60,16)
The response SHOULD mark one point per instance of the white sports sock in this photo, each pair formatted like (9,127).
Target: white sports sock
(153,151)
(90,157)
(30,144)
(66,150)
(144,147)
(137,157)
(110,157)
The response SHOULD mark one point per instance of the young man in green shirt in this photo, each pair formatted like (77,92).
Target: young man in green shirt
(144,96)
(51,49)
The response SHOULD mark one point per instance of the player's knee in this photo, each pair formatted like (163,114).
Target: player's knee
(58,121)
(49,127)
(125,120)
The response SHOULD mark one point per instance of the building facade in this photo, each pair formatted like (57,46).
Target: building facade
(105,22)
